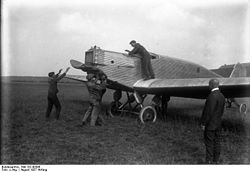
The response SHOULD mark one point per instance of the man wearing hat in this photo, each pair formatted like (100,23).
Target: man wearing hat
(146,67)
(52,92)
(211,122)
(96,91)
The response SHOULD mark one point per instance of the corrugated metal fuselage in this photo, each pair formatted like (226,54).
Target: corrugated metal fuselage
(126,70)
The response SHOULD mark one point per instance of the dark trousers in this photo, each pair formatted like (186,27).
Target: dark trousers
(146,68)
(212,139)
(53,100)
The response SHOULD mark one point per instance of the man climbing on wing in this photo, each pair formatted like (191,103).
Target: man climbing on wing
(146,67)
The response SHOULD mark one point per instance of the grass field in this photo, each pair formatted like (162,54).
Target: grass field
(27,138)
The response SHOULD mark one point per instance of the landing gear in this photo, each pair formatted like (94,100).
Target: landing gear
(114,106)
(164,106)
(117,107)
(148,114)
(243,108)
(160,103)
(229,103)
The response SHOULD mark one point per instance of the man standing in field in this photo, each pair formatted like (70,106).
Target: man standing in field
(146,67)
(52,92)
(211,122)
(96,91)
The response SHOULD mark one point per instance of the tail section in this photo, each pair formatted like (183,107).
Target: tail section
(238,71)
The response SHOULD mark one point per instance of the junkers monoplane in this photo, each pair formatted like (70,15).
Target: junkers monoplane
(173,77)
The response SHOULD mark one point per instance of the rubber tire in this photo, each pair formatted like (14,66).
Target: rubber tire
(145,109)
(243,108)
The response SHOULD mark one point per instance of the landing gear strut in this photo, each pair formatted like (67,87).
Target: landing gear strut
(242,107)
(160,103)
(164,106)
(117,107)
(147,113)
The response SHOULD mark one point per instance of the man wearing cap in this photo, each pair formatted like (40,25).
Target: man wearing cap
(95,95)
(146,67)
(52,92)
(211,122)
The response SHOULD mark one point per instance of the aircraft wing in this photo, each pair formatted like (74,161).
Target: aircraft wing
(194,87)
(191,87)
(81,78)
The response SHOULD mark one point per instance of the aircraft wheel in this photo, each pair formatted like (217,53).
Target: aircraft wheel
(115,107)
(243,108)
(148,114)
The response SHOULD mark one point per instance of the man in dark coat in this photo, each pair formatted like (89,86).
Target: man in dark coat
(52,92)
(211,122)
(146,67)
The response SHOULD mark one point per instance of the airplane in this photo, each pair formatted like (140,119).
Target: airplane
(173,78)
(234,70)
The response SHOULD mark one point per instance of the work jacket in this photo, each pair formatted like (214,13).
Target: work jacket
(141,51)
(53,90)
(213,111)
(95,91)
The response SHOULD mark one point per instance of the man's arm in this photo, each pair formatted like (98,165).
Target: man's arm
(136,55)
(205,115)
(63,75)
(100,86)
(134,51)
(58,72)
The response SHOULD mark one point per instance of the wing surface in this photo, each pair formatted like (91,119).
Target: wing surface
(81,78)
(194,87)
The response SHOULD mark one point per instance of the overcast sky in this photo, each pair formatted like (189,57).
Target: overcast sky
(41,36)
